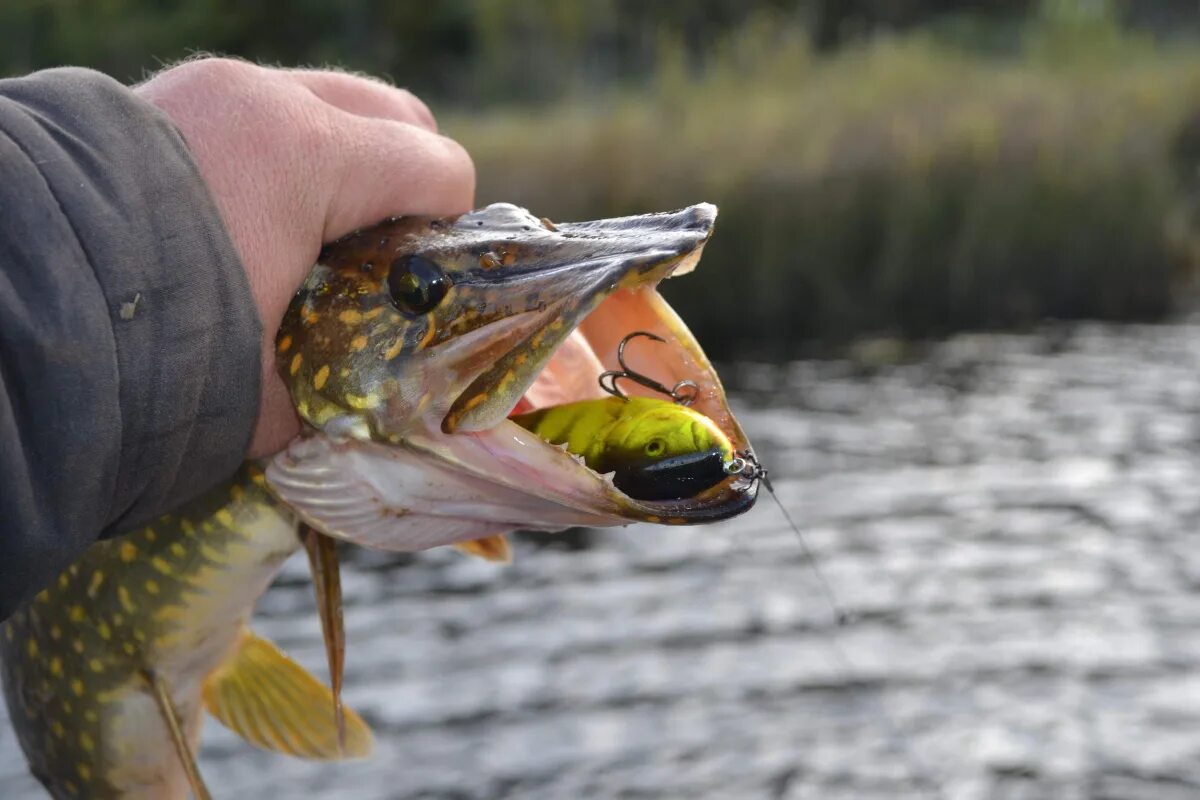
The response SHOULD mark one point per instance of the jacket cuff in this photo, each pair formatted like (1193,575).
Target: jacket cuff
(183,318)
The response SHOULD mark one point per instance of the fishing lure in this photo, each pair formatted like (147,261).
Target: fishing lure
(656,449)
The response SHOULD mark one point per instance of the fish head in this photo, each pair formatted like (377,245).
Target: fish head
(412,342)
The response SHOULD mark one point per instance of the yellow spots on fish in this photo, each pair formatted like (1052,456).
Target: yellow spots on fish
(87,742)
(307,315)
(474,401)
(32,647)
(187,526)
(77,645)
(520,359)
(95,665)
(320,378)
(536,341)
(350,317)
(211,553)
(118,619)
(104,630)
(394,350)
(63,581)
(56,668)
(361,403)
(43,596)
(129,648)
(76,613)
(161,565)
(55,632)
(149,534)
(504,382)
(284,344)
(91,716)
(126,600)
(72,788)
(58,729)
(152,586)
(428,337)
(77,687)
(259,478)
(297,360)
(94,585)
(139,635)
(225,517)
(373,313)
(556,324)
(84,771)
(128,551)
(178,550)
(358,343)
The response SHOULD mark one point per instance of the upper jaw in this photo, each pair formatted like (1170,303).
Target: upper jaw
(460,467)
(574,274)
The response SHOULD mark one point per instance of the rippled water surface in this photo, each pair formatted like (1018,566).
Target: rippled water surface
(1012,521)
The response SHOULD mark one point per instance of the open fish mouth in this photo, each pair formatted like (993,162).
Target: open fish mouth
(450,465)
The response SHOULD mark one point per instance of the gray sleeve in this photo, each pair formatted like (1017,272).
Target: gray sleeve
(129,340)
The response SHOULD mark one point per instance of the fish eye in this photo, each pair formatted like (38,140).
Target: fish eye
(655,447)
(417,284)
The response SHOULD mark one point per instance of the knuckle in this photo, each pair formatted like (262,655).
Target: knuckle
(419,109)
(218,71)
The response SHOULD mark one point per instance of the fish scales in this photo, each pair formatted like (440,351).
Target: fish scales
(171,598)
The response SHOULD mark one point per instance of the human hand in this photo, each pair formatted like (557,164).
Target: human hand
(295,158)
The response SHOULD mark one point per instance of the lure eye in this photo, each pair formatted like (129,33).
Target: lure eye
(416,284)
(655,447)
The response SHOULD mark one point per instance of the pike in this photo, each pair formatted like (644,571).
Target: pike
(406,351)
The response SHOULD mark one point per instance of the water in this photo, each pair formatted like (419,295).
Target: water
(1013,521)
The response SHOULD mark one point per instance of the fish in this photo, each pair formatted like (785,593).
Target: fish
(655,449)
(406,351)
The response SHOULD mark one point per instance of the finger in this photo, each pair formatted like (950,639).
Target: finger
(393,168)
(366,97)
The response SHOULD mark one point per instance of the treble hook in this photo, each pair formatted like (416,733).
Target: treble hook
(676,392)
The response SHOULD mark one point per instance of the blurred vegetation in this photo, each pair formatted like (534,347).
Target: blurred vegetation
(905,167)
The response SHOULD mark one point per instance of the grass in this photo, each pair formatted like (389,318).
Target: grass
(900,187)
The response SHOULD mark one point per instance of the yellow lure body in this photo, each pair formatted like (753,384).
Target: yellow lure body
(613,433)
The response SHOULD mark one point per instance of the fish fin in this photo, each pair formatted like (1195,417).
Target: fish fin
(327,584)
(489,548)
(162,696)
(269,700)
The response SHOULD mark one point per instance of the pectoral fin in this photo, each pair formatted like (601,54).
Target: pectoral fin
(269,700)
(489,548)
(187,758)
(327,583)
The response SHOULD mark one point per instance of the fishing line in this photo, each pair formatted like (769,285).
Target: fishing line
(840,615)
(923,773)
